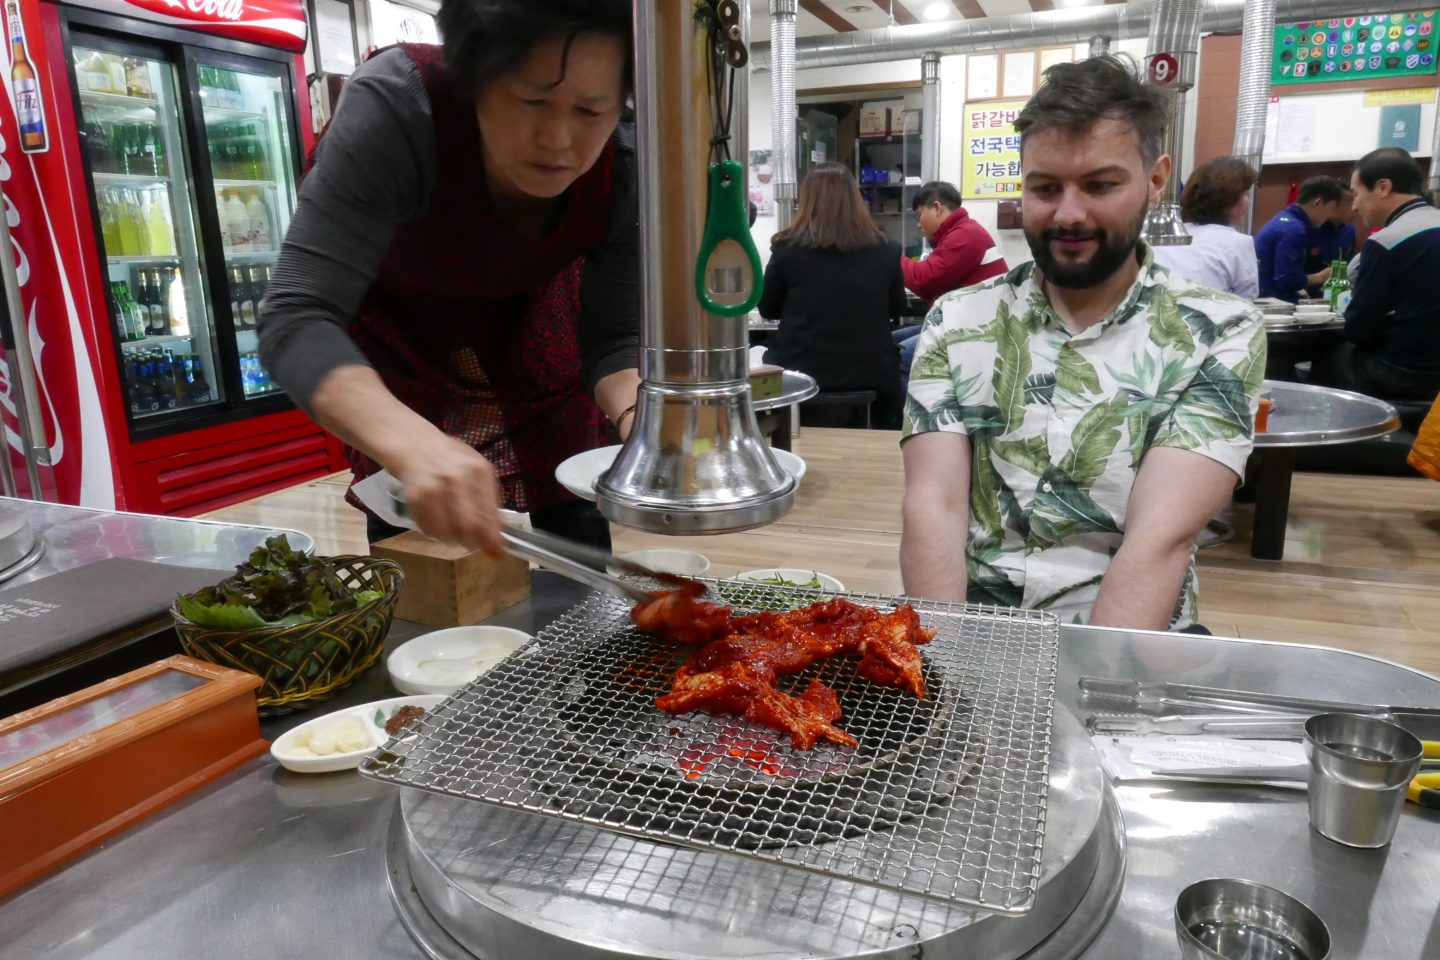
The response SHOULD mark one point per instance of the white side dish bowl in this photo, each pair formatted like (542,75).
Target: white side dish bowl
(446,660)
(796,577)
(339,740)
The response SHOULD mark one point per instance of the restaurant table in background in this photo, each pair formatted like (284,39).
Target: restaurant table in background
(1294,343)
(287,864)
(1304,415)
(773,414)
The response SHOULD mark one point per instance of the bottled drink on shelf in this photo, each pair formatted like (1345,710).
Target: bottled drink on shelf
(165,390)
(127,148)
(109,223)
(237,298)
(146,149)
(93,72)
(177,304)
(1337,288)
(133,242)
(259,283)
(97,147)
(162,164)
(128,319)
(153,300)
(141,374)
(157,224)
(234,214)
(230,84)
(137,78)
(262,231)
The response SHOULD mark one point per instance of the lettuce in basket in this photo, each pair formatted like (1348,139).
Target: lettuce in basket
(277,586)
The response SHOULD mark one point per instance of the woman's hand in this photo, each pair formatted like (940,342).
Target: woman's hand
(452,493)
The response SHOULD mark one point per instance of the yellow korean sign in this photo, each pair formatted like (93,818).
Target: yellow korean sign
(992,150)
(1386,98)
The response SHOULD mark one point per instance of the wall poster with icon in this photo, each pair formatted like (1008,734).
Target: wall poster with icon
(991,165)
(1355,48)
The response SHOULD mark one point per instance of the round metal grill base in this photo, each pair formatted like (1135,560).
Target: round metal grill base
(474,881)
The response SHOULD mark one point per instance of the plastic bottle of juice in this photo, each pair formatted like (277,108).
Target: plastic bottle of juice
(128,225)
(238,219)
(262,234)
(157,226)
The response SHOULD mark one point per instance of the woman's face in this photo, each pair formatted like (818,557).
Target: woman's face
(539,135)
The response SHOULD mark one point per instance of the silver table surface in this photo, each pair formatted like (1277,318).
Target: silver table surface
(1306,415)
(75,536)
(265,863)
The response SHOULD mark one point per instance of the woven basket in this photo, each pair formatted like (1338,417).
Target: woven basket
(304,664)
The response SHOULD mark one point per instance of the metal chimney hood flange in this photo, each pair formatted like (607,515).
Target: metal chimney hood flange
(664,517)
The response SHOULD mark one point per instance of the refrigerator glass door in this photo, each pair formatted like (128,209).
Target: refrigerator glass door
(247,132)
(131,130)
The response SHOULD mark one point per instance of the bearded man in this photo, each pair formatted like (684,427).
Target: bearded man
(1071,426)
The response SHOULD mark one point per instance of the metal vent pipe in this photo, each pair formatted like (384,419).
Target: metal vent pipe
(930,117)
(1257,53)
(1099,46)
(1172,52)
(782,110)
(694,461)
(1433,184)
(1072,25)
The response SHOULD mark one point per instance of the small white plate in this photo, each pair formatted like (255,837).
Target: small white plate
(579,473)
(446,660)
(283,749)
(796,577)
(682,563)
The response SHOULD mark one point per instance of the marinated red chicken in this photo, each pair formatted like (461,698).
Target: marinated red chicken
(742,657)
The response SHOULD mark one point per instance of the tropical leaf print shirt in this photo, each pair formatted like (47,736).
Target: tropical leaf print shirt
(1059,421)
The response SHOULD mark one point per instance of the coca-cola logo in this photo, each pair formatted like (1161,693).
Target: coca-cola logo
(222,9)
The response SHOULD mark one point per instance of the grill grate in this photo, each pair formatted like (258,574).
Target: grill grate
(943,797)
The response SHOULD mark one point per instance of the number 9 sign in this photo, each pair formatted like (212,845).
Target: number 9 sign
(1163,68)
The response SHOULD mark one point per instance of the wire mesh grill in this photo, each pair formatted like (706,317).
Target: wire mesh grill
(942,797)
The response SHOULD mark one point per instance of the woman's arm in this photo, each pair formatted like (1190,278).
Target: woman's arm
(610,297)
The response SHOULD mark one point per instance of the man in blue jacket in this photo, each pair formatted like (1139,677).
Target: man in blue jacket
(1392,325)
(1282,243)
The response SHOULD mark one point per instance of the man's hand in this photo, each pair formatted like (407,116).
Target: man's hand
(936,515)
(1316,279)
(1175,494)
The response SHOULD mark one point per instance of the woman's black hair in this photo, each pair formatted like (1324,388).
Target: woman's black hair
(486,39)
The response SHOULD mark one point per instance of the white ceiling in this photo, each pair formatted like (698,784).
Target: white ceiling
(874,15)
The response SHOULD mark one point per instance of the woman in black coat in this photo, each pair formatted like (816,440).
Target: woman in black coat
(834,282)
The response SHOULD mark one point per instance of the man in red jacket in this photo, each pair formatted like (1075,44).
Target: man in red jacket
(963,253)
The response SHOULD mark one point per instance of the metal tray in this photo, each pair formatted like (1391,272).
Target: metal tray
(943,797)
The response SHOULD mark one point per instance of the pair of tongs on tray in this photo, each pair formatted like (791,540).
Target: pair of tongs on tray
(1178,708)
(586,564)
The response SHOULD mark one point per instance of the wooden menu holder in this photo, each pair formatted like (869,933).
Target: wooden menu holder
(86,766)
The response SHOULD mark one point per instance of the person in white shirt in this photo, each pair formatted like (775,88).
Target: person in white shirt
(1215,202)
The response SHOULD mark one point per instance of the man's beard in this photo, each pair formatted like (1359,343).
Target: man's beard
(1110,253)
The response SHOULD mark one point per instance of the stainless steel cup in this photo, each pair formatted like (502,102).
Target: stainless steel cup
(1359,770)
(1244,920)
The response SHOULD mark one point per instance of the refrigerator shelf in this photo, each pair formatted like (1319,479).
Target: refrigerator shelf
(132,179)
(243,184)
(118,100)
(142,260)
(213,113)
(146,341)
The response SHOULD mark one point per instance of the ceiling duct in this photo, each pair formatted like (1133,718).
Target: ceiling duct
(1172,52)
(930,116)
(1099,46)
(694,461)
(1257,52)
(1051,28)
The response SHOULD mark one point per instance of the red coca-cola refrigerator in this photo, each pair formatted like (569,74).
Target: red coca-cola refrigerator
(151,154)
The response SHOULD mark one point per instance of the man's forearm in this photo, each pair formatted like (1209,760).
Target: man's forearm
(932,549)
(1141,587)
(617,393)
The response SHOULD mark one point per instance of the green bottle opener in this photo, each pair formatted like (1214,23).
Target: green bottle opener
(726,249)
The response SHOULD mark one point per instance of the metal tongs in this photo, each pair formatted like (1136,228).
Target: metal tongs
(578,561)
(586,564)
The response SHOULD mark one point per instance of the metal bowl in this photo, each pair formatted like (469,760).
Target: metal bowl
(1244,920)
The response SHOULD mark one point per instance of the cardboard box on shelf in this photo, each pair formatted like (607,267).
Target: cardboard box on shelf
(874,121)
(909,121)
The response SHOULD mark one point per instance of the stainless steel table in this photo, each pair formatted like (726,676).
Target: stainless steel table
(1304,416)
(265,863)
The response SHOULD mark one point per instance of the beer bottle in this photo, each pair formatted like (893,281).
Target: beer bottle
(1337,288)
(29,110)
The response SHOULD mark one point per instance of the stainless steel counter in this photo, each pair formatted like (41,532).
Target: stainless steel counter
(75,536)
(266,863)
